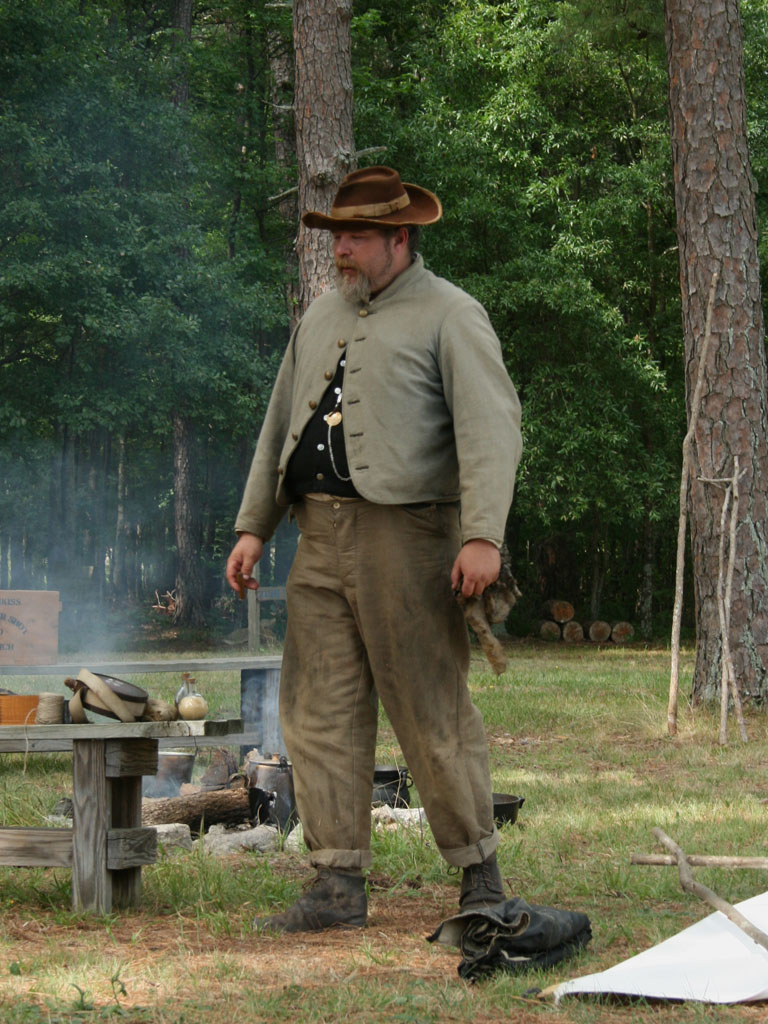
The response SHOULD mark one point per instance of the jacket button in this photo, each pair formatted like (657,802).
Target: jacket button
(319,476)
(363,312)
(341,343)
(312,404)
(328,375)
(279,470)
(295,436)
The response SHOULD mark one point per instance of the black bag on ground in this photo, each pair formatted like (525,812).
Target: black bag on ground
(513,936)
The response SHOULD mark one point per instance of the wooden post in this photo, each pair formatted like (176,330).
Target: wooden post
(125,764)
(254,616)
(682,522)
(91,881)
(106,789)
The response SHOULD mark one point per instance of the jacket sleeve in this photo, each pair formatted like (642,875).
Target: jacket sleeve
(260,512)
(486,418)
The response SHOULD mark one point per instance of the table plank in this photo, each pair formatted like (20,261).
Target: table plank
(49,738)
(130,668)
(36,847)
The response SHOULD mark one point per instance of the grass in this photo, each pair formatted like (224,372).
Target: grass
(579,732)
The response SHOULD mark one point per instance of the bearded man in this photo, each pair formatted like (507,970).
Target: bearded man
(393,434)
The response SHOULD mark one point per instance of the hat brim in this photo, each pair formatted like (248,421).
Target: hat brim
(424,208)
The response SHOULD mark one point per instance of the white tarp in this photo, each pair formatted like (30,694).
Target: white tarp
(710,962)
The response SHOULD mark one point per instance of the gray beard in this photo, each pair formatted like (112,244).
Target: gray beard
(355,291)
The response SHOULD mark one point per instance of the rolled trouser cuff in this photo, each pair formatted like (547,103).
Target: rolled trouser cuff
(341,860)
(464,856)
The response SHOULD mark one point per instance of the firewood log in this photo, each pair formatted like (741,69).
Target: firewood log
(198,810)
(572,632)
(558,611)
(598,632)
(621,632)
(549,630)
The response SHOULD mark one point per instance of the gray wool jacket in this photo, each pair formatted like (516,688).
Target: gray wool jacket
(429,411)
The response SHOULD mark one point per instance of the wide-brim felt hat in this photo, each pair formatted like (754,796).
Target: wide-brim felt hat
(376,197)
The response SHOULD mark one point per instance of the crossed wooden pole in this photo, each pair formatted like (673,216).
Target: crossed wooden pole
(684,864)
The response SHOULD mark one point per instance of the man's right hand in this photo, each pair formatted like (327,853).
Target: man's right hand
(244,556)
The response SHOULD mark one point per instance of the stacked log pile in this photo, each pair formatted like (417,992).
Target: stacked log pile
(558,624)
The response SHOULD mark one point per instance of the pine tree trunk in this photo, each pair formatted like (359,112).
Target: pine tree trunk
(190,602)
(645,597)
(717,232)
(119,556)
(325,147)
(281,66)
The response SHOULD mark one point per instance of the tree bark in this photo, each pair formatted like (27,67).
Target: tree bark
(716,222)
(190,585)
(182,25)
(281,65)
(645,597)
(325,147)
(119,587)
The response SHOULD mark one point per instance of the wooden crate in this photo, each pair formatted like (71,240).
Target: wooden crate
(16,709)
(29,627)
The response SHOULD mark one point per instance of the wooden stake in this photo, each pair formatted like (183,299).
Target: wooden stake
(677,613)
(724,595)
(724,617)
(728,595)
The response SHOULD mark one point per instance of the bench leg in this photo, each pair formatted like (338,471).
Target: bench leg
(126,813)
(105,798)
(91,811)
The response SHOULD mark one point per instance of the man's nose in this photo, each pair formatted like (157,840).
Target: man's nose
(341,246)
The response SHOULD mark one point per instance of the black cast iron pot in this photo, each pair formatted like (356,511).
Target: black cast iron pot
(390,786)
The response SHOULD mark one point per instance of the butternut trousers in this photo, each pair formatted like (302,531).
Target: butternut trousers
(371,613)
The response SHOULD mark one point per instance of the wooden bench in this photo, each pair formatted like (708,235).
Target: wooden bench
(107,845)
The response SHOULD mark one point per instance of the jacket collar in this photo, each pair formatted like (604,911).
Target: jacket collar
(402,281)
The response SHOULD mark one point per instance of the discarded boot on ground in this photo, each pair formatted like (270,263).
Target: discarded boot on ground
(334,899)
(481,885)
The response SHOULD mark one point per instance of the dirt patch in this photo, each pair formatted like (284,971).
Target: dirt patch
(156,954)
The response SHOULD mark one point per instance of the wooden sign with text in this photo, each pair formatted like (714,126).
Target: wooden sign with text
(29,627)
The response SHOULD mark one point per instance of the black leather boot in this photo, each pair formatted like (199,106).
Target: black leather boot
(333,899)
(481,885)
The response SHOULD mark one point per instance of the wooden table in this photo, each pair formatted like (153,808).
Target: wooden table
(259,687)
(107,846)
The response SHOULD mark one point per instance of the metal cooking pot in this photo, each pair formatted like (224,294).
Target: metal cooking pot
(505,808)
(390,786)
(271,797)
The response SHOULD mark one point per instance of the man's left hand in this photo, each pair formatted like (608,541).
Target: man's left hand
(477,566)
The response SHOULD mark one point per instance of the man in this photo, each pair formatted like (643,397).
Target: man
(393,432)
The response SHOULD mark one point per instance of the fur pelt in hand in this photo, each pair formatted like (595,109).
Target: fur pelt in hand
(494,605)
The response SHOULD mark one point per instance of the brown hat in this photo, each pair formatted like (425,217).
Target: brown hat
(376,197)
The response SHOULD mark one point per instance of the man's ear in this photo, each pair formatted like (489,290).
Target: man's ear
(401,237)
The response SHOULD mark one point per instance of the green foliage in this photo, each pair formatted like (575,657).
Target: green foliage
(143,268)
(542,126)
(128,288)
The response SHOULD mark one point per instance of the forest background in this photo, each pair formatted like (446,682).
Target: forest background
(147,271)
